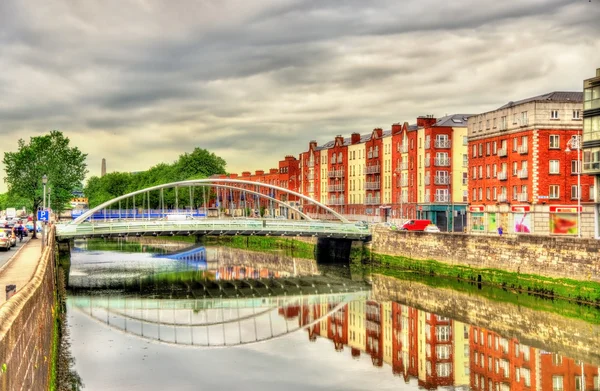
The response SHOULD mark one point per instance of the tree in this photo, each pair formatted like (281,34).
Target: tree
(48,155)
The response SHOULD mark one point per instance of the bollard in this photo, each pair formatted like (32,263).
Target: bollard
(10,291)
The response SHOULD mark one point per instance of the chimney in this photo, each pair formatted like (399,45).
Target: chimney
(339,139)
(273,171)
(312,144)
(355,138)
(233,176)
(259,172)
(396,128)
(246,173)
(426,120)
(378,132)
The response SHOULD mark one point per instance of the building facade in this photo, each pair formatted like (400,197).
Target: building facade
(591,138)
(524,168)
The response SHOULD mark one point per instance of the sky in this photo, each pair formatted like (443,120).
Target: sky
(140,82)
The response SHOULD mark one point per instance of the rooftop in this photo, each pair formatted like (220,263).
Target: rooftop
(556,96)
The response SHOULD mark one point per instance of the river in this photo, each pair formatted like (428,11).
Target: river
(173,316)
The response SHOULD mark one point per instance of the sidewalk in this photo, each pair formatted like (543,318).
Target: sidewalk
(21,267)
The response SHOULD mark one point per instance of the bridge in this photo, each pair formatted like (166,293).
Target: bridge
(234,213)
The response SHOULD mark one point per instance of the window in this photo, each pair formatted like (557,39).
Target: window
(465,140)
(481,149)
(503,123)
(487,193)
(474,172)
(554,192)
(442,352)
(554,141)
(574,192)
(592,194)
(526,376)
(480,172)
(442,333)
(553,114)
(523,118)
(494,148)
(515,144)
(578,383)
(443,370)
(474,194)
(488,149)
(495,194)
(494,170)
(554,167)
(474,150)
(575,167)
(514,191)
(480,193)
(465,162)
(557,383)
(576,114)
(487,171)
(487,123)
(494,123)
(515,168)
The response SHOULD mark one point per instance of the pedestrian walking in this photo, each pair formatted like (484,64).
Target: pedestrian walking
(500,231)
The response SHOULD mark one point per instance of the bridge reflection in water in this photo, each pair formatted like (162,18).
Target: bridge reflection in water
(209,322)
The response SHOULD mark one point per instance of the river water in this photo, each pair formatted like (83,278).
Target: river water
(170,316)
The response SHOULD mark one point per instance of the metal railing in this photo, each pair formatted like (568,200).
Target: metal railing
(442,162)
(502,152)
(441,180)
(376,169)
(375,185)
(502,175)
(522,149)
(522,173)
(339,187)
(443,143)
(372,200)
(336,173)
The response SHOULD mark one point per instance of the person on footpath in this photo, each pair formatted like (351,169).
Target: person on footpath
(500,231)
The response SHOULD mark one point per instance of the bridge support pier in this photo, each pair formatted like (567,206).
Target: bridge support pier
(333,250)
(200,239)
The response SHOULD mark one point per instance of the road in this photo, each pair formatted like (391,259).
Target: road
(6,255)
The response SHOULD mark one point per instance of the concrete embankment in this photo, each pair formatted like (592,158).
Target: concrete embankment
(548,256)
(26,320)
(541,329)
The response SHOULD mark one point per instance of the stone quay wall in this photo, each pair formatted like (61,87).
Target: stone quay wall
(543,330)
(548,256)
(26,326)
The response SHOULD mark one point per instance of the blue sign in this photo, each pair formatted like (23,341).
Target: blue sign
(42,215)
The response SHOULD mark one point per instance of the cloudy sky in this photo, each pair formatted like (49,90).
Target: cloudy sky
(140,82)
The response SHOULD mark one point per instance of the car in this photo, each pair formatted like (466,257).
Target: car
(431,228)
(4,241)
(415,225)
(11,235)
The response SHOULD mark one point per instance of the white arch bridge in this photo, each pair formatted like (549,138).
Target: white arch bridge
(213,206)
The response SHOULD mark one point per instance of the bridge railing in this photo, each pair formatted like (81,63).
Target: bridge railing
(256,225)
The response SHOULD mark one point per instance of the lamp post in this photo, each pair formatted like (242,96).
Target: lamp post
(44,182)
(575,142)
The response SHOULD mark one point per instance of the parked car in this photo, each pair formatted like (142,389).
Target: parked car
(415,225)
(432,228)
(4,241)
(11,235)
(29,226)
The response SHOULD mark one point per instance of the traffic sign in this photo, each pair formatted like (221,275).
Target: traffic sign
(42,215)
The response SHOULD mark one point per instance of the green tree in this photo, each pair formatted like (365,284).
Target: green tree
(48,155)
(196,165)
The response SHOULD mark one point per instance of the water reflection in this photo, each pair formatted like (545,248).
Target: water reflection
(240,297)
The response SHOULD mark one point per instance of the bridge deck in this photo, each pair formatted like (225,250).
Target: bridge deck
(247,227)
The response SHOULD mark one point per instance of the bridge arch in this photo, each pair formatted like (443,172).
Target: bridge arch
(219,183)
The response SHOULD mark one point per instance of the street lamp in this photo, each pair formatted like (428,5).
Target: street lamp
(575,142)
(44,182)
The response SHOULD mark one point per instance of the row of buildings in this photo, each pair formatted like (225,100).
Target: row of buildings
(433,351)
(527,166)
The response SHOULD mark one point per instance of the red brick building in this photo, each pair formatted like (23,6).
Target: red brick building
(523,168)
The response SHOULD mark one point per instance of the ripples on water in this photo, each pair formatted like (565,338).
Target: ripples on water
(167,317)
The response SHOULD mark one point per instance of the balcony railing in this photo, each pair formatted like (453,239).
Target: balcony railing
(375,185)
(372,200)
(336,201)
(339,187)
(442,162)
(502,152)
(336,173)
(522,173)
(427,144)
(502,175)
(443,143)
(441,180)
(522,149)
(426,198)
(310,176)
(403,148)
(502,198)
(522,197)
(372,169)
(404,182)
(442,198)
(403,166)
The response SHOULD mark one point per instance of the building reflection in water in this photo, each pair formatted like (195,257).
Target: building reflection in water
(434,351)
